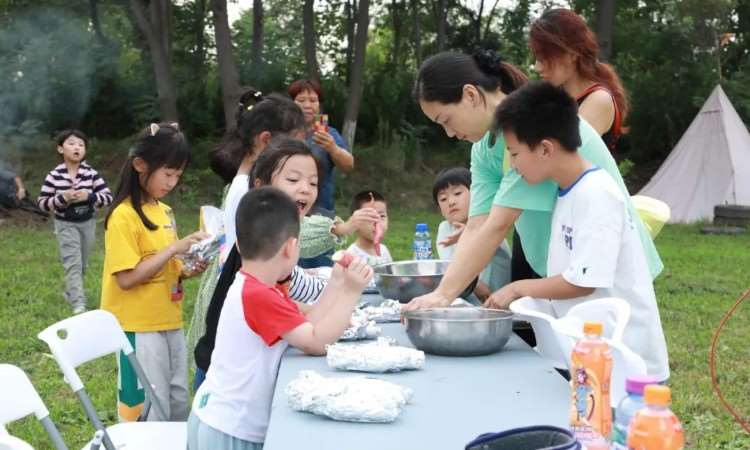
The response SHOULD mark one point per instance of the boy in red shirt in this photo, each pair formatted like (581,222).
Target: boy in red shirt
(258,321)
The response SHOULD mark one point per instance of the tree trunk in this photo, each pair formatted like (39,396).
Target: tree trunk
(309,37)
(351,14)
(605,21)
(397,9)
(440,15)
(230,79)
(417,32)
(156,30)
(256,51)
(95,24)
(488,24)
(199,24)
(358,68)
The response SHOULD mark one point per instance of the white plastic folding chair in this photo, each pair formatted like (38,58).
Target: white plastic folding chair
(8,442)
(612,312)
(540,315)
(97,333)
(20,399)
(625,362)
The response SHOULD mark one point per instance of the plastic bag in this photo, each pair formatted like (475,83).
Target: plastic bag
(211,222)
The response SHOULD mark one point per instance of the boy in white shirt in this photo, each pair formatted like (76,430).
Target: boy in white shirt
(451,192)
(366,246)
(594,249)
(258,321)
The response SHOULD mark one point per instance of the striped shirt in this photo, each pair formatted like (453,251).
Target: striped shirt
(59,180)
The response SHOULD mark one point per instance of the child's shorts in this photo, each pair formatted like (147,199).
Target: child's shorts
(203,437)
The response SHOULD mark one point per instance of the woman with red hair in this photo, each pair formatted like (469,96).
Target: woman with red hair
(566,55)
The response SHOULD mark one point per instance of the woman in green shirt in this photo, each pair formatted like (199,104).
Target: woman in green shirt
(461,92)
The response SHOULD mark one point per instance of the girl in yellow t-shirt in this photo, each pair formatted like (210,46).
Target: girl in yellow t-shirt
(141,283)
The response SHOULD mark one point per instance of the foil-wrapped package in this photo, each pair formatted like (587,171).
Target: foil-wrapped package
(350,399)
(379,356)
(388,311)
(204,250)
(361,327)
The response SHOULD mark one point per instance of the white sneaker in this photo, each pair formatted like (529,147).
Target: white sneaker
(78,309)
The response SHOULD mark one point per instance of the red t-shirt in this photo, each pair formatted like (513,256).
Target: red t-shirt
(269,311)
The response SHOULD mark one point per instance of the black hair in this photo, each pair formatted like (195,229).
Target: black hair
(62,136)
(159,145)
(455,176)
(275,113)
(266,217)
(273,158)
(363,197)
(539,111)
(442,77)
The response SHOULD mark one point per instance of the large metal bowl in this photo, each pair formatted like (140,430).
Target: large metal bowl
(405,280)
(459,331)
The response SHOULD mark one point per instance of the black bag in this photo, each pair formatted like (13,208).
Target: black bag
(540,437)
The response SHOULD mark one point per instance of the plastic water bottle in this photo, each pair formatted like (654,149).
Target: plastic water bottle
(627,408)
(655,427)
(590,412)
(422,245)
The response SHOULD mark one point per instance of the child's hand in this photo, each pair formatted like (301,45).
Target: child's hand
(81,196)
(354,277)
(184,244)
(69,195)
(198,268)
(503,297)
(453,237)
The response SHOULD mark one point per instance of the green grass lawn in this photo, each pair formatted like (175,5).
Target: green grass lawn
(703,276)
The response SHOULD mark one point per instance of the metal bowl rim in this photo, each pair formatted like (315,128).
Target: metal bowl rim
(416,315)
(403,263)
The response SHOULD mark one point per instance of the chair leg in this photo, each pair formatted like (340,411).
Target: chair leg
(147,385)
(54,434)
(97,441)
(83,397)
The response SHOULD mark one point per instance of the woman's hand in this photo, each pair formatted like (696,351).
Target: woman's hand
(452,238)
(324,140)
(432,300)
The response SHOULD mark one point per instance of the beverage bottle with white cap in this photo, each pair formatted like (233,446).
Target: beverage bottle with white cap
(656,427)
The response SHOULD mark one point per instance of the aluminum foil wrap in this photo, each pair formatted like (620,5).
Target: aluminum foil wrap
(204,250)
(378,357)
(349,399)
(388,311)
(361,327)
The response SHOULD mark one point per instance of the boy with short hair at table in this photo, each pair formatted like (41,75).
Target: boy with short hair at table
(594,249)
(451,192)
(259,321)
(368,244)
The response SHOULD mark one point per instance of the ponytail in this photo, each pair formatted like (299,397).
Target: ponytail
(442,77)
(255,114)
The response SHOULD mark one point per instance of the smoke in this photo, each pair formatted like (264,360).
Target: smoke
(46,72)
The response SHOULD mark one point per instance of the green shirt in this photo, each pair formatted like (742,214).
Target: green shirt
(494,183)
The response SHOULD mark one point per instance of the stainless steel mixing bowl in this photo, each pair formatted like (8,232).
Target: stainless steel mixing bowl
(405,280)
(459,331)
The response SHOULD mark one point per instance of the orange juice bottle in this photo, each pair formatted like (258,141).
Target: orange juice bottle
(590,412)
(655,427)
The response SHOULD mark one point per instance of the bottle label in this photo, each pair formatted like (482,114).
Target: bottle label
(586,399)
(619,437)
(422,249)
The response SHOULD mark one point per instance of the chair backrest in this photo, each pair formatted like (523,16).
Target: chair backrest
(20,399)
(625,362)
(8,442)
(540,315)
(84,337)
(613,313)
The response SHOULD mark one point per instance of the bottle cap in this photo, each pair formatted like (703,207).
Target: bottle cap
(593,328)
(421,227)
(656,394)
(636,383)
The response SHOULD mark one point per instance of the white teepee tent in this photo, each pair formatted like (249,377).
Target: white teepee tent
(709,166)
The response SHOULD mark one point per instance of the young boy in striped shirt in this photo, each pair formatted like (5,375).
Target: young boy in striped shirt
(73,190)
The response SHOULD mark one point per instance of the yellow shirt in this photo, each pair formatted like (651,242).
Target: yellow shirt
(148,306)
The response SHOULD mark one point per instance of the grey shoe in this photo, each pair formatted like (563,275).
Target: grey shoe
(79,308)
